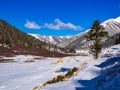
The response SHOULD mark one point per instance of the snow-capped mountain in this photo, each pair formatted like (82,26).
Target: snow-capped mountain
(51,39)
(112,26)
(67,42)
(79,41)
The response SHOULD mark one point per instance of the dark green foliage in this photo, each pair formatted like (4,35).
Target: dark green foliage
(72,50)
(117,40)
(96,48)
(95,35)
(11,36)
(71,73)
(112,40)
(61,78)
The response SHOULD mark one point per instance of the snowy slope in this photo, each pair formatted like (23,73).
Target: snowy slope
(112,26)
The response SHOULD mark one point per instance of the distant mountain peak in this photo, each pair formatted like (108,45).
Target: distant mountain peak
(118,19)
(112,25)
(51,39)
(111,20)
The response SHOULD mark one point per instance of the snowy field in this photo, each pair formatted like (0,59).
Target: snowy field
(22,75)
(26,75)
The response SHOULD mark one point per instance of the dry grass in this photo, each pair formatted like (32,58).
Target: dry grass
(30,61)
(60,60)
(59,78)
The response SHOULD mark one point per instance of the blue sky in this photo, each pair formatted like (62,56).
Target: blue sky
(57,17)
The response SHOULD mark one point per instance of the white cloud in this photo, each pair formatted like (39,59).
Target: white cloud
(32,25)
(56,25)
(59,25)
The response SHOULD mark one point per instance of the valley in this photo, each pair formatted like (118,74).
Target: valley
(59,44)
(22,75)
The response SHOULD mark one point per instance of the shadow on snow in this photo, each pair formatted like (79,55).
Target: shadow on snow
(91,84)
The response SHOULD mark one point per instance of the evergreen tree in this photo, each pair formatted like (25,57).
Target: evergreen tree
(95,35)
(72,50)
(117,40)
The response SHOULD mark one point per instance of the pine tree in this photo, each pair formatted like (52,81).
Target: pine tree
(95,35)
(117,40)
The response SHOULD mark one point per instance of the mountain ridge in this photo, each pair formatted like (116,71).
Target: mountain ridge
(51,39)
(112,26)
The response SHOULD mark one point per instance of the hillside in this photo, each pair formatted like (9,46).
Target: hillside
(11,36)
(13,41)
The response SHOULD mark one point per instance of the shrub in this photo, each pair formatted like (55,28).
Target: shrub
(59,78)
(71,73)
(30,60)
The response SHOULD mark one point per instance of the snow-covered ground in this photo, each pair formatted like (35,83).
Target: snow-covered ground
(23,75)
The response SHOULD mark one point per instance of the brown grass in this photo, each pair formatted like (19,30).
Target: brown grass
(30,60)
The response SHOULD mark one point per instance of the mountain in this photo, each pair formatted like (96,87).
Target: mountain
(112,26)
(13,41)
(51,39)
(67,42)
